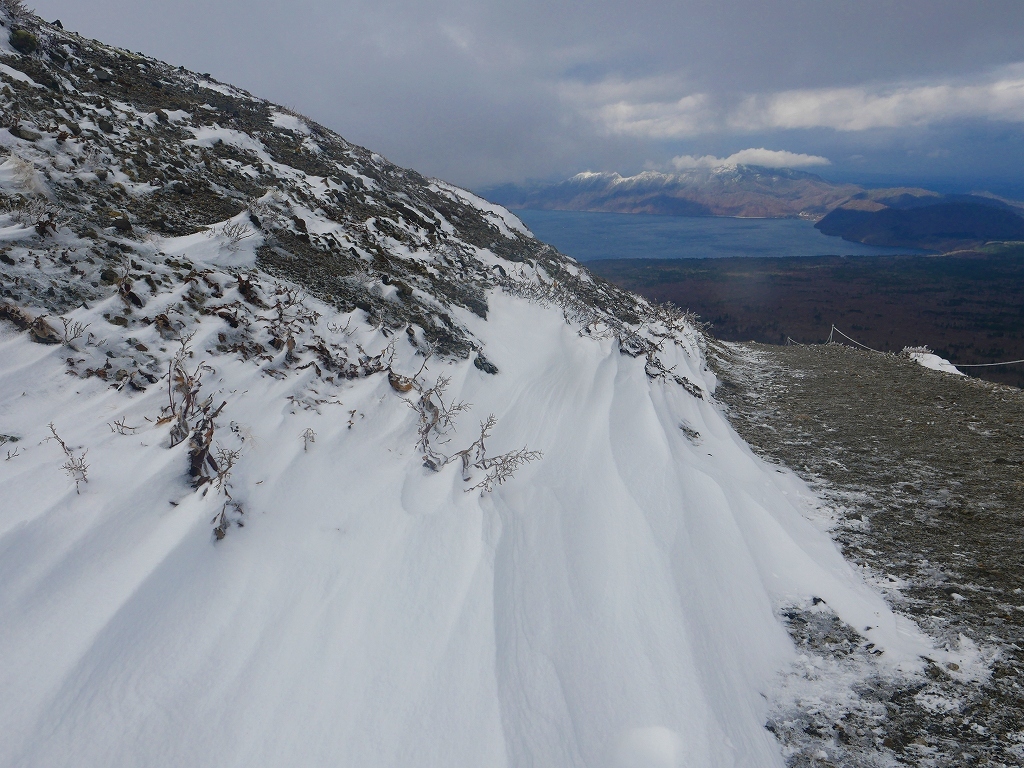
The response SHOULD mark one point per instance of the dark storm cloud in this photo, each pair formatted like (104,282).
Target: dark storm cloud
(480,92)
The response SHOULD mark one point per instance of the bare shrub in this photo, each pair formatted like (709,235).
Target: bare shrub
(75,467)
(340,330)
(436,420)
(203,466)
(291,314)
(184,383)
(308,438)
(225,460)
(73,330)
(36,212)
(10,439)
(121,427)
(17,11)
(262,213)
(437,424)
(235,232)
(497,469)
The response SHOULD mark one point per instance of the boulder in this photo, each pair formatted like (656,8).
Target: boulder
(164,328)
(44,333)
(16,315)
(25,134)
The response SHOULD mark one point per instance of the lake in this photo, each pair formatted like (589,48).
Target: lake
(589,236)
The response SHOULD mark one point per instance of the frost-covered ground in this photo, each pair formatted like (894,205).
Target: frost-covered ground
(920,476)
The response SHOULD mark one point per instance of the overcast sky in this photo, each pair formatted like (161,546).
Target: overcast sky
(496,91)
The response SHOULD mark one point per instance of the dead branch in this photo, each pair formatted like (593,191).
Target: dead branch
(73,330)
(183,392)
(232,511)
(75,467)
(501,468)
(436,419)
(200,458)
(121,428)
(225,458)
(235,232)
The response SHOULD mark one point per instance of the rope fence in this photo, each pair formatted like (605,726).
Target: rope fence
(831,340)
(836,330)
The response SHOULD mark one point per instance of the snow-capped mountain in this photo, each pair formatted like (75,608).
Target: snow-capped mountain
(725,190)
(309,460)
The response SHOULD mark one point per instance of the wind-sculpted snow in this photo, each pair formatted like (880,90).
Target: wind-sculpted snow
(614,599)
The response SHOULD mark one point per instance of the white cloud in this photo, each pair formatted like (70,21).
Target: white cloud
(621,110)
(998,96)
(645,107)
(769,158)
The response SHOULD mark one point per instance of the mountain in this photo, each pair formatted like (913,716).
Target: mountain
(901,216)
(930,221)
(734,190)
(311,460)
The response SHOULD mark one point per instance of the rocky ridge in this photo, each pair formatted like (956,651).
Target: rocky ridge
(140,202)
(111,158)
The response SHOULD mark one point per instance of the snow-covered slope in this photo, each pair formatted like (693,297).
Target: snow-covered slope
(246,514)
(615,595)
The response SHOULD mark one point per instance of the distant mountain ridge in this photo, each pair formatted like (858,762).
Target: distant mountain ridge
(733,190)
(899,216)
(946,225)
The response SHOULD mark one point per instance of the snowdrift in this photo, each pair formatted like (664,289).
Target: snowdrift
(610,605)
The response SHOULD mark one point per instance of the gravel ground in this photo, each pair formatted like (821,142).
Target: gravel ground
(924,475)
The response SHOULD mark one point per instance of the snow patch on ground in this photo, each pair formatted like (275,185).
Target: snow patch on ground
(504,219)
(209,136)
(17,74)
(289,122)
(936,363)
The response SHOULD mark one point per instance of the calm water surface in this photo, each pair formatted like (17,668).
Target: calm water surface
(588,236)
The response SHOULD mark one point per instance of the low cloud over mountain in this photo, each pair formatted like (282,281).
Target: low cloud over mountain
(766,158)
